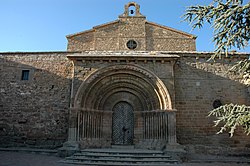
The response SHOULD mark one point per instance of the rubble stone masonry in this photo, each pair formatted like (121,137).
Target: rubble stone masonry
(46,99)
(35,112)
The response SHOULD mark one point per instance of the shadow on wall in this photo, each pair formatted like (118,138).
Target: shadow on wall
(34,112)
(198,84)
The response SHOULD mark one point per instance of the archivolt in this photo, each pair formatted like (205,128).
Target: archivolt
(134,81)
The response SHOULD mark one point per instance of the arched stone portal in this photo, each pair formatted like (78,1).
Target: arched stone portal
(130,91)
(130,82)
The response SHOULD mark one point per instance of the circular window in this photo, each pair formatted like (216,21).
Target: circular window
(131,44)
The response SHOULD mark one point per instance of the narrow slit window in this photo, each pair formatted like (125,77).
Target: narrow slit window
(25,74)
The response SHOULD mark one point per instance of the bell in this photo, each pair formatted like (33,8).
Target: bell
(131,11)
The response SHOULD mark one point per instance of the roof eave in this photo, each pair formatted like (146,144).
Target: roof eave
(172,29)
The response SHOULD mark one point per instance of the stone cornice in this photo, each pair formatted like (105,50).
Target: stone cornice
(132,54)
(124,57)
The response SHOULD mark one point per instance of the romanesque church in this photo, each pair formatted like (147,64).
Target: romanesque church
(129,82)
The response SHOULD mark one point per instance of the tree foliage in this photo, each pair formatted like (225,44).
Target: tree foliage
(230,20)
(231,116)
(243,68)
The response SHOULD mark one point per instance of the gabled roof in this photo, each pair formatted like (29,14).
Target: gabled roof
(147,22)
(80,33)
(93,29)
(106,24)
(172,29)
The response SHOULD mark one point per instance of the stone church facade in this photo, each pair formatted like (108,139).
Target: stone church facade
(127,82)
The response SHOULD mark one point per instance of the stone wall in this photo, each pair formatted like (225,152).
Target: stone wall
(149,36)
(34,112)
(194,84)
(161,38)
(84,41)
(198,83)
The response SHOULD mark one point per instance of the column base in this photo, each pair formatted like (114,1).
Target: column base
(177,151)
(68,149)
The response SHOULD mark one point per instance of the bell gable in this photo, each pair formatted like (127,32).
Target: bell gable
(131,26)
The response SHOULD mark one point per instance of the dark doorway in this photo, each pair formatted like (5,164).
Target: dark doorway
(123,124)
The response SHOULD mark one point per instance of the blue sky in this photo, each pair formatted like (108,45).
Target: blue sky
(41,25)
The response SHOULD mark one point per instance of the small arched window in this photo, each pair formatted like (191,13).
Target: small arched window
(132,10)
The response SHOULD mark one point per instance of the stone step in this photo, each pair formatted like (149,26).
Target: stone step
(123,147)
(119,155)
(123,151)
(114,159)
(119,164)
(87,163)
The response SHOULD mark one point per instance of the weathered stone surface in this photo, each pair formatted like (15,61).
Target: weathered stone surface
(34,112)
(198,84)
(193,84)
(70,95)
(149,36)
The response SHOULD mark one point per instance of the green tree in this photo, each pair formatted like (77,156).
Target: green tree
(230,20)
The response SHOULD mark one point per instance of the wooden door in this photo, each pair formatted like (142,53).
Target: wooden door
(123,124)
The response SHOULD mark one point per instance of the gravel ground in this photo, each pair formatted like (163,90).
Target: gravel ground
(28,159)
(33,159)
